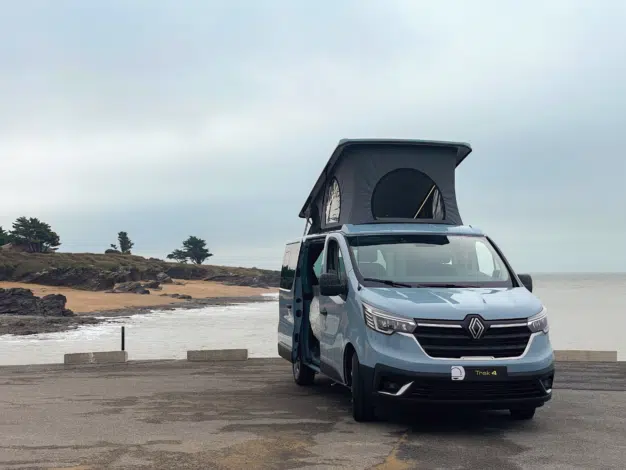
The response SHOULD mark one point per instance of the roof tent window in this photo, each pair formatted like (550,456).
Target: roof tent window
(407,193)
(333,202)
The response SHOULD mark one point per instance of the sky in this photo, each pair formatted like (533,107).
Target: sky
(175,118)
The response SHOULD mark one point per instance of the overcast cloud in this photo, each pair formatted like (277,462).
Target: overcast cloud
(175,118)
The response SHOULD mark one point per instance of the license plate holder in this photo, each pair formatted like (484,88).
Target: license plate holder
(478,374)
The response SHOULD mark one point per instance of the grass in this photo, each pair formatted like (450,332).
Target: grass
(16,266)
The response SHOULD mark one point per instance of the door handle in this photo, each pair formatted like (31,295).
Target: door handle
(289,307)
(323,311)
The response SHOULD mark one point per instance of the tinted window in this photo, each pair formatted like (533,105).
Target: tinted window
(290,263)
(407,193)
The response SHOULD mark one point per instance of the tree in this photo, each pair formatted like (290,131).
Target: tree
(5,237)
(125,243)
(178,255)
(35,235)
(194,249)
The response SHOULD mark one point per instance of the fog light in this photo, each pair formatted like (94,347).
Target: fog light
(547,383)
(391,387)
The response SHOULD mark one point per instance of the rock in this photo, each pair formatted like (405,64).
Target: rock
(152,285)
(54,306)
(232,279)
(130,288)
(180,296)
(164,278)
(18,301)
(90,278)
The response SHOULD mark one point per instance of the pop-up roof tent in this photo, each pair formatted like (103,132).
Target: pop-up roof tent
(373,181)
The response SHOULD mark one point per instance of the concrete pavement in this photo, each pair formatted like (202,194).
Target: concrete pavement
(250,415)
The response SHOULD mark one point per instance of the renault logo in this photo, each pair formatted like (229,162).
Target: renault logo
(476,328)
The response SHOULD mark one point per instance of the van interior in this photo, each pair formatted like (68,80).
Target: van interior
(311,321)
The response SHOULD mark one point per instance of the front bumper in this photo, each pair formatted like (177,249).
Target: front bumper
(511,390)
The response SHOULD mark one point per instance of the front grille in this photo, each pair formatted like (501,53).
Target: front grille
(448,390)
(446,342)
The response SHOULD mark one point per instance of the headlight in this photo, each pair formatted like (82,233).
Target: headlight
(385,323)
(539,322)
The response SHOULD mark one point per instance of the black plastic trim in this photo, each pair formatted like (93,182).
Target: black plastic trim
(285,352)
(380,370)
(330,371)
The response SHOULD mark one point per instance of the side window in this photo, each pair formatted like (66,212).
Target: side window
(290,263)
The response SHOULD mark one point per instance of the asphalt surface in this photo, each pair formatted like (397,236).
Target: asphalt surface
(175,414)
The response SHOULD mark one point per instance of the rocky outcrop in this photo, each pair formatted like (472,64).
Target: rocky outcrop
(134,287)
(178,296)
(232,279)
(102,272)
(156,285)
(18,301)
(90,278)
(164,278)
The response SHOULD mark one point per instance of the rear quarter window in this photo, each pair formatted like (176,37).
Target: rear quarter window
(290,263)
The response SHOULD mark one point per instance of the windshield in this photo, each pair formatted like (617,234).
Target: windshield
(428,260)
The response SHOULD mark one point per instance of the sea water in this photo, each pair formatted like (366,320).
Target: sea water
(586,311)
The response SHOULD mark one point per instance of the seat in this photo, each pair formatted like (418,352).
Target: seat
(369,265)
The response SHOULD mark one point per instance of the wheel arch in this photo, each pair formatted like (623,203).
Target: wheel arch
(348,352)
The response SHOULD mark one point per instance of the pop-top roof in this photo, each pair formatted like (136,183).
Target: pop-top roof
(386,180)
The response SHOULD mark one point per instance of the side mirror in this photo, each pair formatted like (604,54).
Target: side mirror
(331,284)
(527,281)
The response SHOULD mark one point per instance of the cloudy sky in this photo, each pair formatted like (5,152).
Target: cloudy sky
(175,118)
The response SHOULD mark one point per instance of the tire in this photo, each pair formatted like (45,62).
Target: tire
(302,374)
(522,414)
(362,407)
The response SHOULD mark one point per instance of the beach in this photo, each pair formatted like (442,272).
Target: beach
(93,307)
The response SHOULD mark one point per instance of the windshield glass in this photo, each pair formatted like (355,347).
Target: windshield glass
(428,260)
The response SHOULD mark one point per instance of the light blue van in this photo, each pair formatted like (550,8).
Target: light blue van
(390,294)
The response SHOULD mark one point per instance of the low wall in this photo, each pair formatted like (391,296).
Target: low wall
(222,355)
(101,357)
(215,355)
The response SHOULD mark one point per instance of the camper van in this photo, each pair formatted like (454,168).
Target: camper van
(390,294)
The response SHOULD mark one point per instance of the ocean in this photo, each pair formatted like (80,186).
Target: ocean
(585,311)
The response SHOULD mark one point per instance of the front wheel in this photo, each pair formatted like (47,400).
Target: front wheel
(302,374)
(362,407)
(522,413)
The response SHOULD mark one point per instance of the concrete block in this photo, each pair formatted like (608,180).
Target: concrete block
(585,356)
(211,355)
(103,357)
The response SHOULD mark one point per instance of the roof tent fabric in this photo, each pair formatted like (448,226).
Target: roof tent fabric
(371,180)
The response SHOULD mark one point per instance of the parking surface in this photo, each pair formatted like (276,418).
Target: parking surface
(174,414)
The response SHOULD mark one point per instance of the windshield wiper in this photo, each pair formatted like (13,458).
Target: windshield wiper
(388,282)
(451,285)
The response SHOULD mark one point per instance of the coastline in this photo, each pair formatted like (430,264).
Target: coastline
(91,308)
(27,325)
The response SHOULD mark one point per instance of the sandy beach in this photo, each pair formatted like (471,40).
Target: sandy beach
(88,302)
